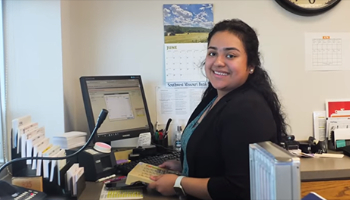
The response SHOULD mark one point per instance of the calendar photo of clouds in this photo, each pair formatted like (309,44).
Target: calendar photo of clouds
(187,23)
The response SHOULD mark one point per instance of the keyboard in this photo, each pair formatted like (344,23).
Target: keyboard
(156,160)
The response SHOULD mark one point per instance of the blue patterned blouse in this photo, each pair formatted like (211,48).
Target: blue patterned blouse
(187,134)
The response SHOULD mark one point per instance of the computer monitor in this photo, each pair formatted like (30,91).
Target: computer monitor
(124,98)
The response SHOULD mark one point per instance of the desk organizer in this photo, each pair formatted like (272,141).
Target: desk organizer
(162,144)
(21,169)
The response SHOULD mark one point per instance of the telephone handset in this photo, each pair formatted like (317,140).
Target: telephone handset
(10,192)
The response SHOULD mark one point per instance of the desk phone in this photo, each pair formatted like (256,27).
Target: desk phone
(143,171)
(9,192)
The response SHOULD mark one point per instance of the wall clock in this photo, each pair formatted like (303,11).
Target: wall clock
(308,7)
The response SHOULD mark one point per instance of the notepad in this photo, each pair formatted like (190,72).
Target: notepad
(120,194)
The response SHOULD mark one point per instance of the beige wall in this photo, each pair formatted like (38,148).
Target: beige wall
(125,37)
(76,38)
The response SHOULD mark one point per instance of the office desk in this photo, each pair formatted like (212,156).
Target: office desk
(312,169)
(329,177)
(320,175)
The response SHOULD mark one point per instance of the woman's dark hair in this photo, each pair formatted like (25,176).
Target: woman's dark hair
(259,80)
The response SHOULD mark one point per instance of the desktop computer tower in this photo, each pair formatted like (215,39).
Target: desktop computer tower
(274,172)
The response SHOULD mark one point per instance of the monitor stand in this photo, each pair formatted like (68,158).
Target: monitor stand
(124,143)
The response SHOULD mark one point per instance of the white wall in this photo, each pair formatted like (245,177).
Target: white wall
(126,37)
(33,48)
(2,91)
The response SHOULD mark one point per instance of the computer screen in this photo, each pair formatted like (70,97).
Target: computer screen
(124,98)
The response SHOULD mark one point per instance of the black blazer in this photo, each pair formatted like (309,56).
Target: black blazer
(219,147)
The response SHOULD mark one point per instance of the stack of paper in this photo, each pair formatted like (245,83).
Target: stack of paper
(70,140)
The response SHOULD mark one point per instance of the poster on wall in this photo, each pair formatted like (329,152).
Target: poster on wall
(186,28)
(177,103)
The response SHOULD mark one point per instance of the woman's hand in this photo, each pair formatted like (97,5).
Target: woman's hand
(164,184)
(174,165)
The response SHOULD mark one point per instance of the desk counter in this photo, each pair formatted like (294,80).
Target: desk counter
(313,169)
(316,170)
(321,175)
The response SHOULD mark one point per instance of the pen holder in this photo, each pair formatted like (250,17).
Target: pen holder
(161,144)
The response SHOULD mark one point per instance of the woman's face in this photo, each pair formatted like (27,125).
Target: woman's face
(226,62)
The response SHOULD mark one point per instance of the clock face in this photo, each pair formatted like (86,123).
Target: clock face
(307,7)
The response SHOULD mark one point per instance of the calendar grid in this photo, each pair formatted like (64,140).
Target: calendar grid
(183,62)
(327,52)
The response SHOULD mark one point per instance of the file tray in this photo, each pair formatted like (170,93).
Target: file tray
(21,169)
(80,182)
(274,172)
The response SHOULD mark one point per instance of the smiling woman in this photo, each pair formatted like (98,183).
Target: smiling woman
(238,108)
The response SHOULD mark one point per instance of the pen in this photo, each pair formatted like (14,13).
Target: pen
(122,161)
(105,178)
(167,126)
(115,179)
(156,126)
(156,136)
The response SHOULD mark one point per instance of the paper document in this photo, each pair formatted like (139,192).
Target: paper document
(49,153)
(39,161)
(16,123)
(79,172)
(57,163)
(144,139)
(22,130)
(69,175)
(319,119)
(39,135)
(336,123)
(120,194)
(70,140)
(25,137)
(37,146)
(177,103)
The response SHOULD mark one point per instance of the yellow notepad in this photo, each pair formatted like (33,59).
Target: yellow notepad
(120,194)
